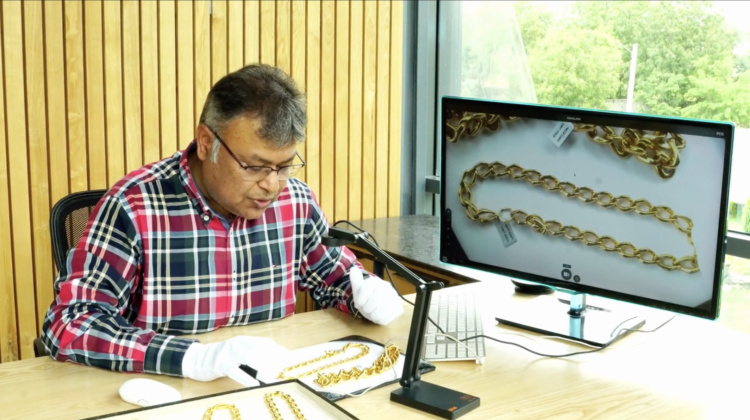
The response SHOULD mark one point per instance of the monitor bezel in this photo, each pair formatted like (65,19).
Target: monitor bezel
(618,119)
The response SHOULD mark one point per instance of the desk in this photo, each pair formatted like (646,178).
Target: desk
(690,369)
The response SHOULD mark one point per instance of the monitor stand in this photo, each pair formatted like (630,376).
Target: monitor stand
(571,319)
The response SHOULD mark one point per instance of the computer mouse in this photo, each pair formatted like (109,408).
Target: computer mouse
(147,392)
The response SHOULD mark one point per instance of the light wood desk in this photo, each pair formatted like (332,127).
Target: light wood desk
(690,369)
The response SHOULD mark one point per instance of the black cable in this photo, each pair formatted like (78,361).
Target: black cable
(575,353)
(387,270)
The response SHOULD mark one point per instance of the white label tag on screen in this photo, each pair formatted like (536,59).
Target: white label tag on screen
(506,233)
(561,132)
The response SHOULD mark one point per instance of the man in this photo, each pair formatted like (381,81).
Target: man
(220,234)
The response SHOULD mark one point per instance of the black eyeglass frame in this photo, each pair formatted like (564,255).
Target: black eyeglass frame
(293,169)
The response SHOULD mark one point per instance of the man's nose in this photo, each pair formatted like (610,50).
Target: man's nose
(271,182)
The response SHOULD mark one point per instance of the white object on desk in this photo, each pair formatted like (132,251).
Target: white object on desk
(147,392)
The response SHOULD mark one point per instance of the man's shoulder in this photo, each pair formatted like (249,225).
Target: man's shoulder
(299,191)
(159,178)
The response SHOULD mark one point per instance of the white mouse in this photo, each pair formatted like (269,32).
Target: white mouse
(147,392)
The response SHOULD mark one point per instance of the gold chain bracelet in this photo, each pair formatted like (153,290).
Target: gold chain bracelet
(660,150)
(289,400)
(234,411)
(384,362)
(364,350)
(482,170)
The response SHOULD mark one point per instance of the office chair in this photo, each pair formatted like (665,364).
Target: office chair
(67,222)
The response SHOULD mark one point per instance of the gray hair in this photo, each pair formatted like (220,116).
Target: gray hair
(215,146)
(263,92)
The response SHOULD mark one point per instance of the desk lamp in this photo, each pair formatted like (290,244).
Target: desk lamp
(415,393)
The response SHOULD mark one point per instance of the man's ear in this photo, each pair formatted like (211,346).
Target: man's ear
(204,139)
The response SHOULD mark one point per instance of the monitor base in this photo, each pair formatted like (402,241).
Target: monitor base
(577,321)
(531,288)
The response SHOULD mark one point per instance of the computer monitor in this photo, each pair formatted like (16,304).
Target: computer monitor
(624,206)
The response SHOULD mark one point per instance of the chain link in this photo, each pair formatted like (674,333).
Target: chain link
(289,400)
(384,362)
(364,350)
(233,410)
(660,150)
(483,170)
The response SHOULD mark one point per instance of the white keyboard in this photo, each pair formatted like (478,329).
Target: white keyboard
(460,317)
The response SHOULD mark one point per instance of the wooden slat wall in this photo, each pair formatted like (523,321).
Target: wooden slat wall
(92,90)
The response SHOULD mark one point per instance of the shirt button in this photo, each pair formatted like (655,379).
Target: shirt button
(205,218)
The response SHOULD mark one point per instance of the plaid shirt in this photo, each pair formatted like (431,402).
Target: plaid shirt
(155,262)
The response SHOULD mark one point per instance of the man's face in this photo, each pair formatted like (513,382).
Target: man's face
(225,183)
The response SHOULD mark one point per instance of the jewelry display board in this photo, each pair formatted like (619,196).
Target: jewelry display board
(306,372)
(249,403)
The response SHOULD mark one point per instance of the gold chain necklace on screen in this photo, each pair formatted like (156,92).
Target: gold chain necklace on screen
(603,199)
(385,361)
(289,400)
(660,150)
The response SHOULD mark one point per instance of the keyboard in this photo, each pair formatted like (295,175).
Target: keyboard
(459,316)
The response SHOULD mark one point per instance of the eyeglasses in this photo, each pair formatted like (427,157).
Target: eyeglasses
(258,173)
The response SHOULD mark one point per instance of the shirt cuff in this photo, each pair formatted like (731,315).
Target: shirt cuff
(165,353)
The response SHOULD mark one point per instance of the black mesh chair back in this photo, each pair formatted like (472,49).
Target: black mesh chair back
(67,222)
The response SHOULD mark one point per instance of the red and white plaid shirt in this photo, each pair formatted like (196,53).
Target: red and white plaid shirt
(155,262)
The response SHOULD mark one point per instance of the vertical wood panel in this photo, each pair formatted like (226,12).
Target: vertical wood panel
(341,164)
(56,112)
(394,138)
(38,159)
(202,58)
(150,87)
(283,35)
(382,113)
(131,60)
(312,177)
(76,100)
(299,59)
(252,32)
(167,80)
(185,99)
(355,109)
(368,110)
(15,101)
(94,95)
(327,106)
(236,44)
(8,331)
(218,40)
(268,32)
(113,91)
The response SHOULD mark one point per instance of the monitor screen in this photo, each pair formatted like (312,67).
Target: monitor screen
(625,206)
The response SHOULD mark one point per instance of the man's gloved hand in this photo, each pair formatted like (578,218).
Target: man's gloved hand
(206,362)
(375,299)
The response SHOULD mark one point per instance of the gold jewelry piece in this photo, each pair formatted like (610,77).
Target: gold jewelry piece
(384,362)
(275,410)
(364,350)
(660,150)
(482,170)
(232,410)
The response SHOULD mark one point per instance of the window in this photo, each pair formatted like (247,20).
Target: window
(688,59)
(735,298)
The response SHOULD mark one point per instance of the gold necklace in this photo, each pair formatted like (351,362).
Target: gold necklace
(289,400)
(234,411)
(660,150)
(482,170)
(385,361)
(364,350)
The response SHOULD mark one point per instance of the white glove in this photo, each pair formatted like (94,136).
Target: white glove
(375,299)
(206,362)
